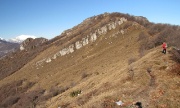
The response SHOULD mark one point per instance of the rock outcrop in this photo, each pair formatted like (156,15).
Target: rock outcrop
(31,43)
(92,37)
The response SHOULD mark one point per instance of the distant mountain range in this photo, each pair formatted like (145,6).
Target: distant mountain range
(10,45)
(6,47)
(19,39)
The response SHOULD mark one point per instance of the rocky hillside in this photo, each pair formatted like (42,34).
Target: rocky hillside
(26,51)
(105,59)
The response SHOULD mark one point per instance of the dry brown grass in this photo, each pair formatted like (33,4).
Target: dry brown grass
(176,70)
(101,71)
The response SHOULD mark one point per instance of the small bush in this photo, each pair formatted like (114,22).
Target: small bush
(163,67)
(108,104)
(149,70)
(75,93)
(86,97)
(57,90)
(11,100)
(141,51)
(84,75)
(147,44)
(131,60)
(156,28)
(176,69)
(176,55)
(29,99)
(142,36)
(130,73)
(126,25)
(66,105)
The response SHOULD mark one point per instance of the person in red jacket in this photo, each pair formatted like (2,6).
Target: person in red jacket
(164,46)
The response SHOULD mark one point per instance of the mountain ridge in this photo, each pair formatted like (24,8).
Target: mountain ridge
(102,60)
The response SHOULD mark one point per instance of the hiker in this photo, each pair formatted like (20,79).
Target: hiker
(164,46)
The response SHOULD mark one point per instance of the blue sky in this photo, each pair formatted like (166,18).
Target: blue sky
(49,18)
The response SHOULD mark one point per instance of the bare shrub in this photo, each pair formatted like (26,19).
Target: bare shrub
(163,35)
(141,20)
(176,70)
(11,100)
(152,77)
(126,25)
(130,73)
(156,28)
(72,84)
(145,43)
(176,55)
(131,60)
(16,95)
(54,91)
(108,104)
(149,69)
(13,89)
(86,97)
(167,31)
(66,105)
(142,36)
(141,51)
(162,67)
(84,75)
(29,99)
(174,39)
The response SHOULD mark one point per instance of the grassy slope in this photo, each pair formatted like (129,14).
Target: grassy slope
(100,71)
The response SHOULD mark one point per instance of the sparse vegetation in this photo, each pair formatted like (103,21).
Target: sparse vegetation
(16,60)
(131,60)
(152,76)
(162,67)
(15,94)
(9,101)
(130,73)
(75,93)
(176,55)
(143,36)
(86,97)
(127,25)
(149,70)
(141,51)
(12,93)
(114,71)
(176,70)
(84,75)
(108,104)
(54,91)
(155,28)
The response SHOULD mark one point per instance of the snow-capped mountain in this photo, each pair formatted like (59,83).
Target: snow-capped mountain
(1,39)
(21,38)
